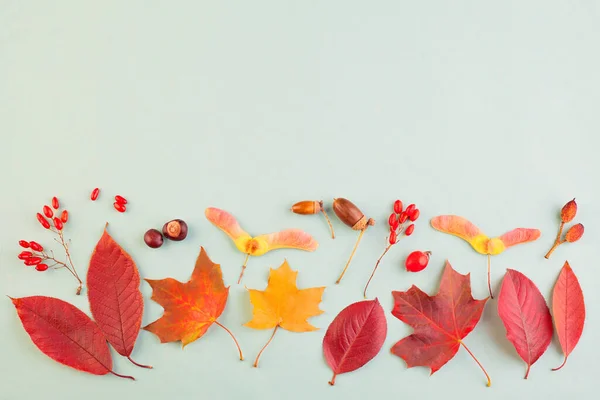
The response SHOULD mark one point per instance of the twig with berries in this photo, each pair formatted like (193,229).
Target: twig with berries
(36,255)
(397,221)
(574,233)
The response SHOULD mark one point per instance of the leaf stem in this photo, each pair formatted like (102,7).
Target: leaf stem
(332,381)
(122,376)
(264,347)
(362,232)
(139,365)
(233,337)
(389,246)
(561,365)
(557,242)
(489,381)
(490,277)
(527,372)
(329,223)
(243,268)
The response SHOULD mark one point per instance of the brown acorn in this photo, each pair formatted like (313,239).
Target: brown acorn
(308,207)
(351,215)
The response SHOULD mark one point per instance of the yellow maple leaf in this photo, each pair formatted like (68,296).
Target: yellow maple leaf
(283,305)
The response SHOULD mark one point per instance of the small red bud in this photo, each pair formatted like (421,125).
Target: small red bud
(43,221)
(409,230)
(55,203)
(568,211)
(574,233)
(24,244)
(397,206)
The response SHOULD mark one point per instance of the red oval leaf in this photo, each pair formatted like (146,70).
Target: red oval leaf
(526,317)
(65,334)
(354,337)
(568,308)
(115,298)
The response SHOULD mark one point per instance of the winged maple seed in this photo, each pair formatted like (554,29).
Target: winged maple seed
(283,305)
(464,229)
(258,245)
(191,307)
(440,322)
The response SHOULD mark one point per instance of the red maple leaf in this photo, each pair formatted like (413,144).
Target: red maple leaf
(440,322)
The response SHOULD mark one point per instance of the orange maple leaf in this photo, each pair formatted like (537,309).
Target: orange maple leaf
(283,305)
(191,307)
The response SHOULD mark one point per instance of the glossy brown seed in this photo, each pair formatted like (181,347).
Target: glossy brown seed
(153,238)
(307,207)
(176,230)
(351,215)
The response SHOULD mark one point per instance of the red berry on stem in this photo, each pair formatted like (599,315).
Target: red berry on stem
(48,212)
(58,223)
(403,217)
(394,225)
(393,237)
(409,230)
(392,219)
(24,255)
(397,206)
(120,199)
(95,194)
(120,207)
(55,203)
(64,217)
(35,246)
(43,221)
(24,244)
(410,208)
(414,214)
(417,261)
(33,261)
(41,267)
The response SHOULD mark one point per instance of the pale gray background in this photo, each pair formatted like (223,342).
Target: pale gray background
(485,109)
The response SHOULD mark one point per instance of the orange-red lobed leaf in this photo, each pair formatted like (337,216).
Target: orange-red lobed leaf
(191,307)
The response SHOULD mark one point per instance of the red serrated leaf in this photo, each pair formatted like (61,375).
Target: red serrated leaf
(65,334)
(526,317)
(114,294)
(440,322)
(568,308)
(354,337)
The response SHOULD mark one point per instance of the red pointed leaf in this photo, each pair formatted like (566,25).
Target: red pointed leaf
(526,317)
(440,322)
(354,337)
(65,334)
(113,291)
(568,308)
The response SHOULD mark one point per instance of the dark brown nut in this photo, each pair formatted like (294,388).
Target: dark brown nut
(175,230)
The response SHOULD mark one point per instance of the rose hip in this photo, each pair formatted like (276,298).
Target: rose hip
(417,261)
(120,207)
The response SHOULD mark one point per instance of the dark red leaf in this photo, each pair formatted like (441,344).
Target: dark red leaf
(115,298)
(526,317)
(65,334)
(354,337)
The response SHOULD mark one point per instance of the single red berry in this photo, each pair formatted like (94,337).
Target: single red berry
(410,208)
(58,223)
(120,207)
(414,214)
(24,244)
(24,255)
(403,217)
(48,212)
(409,230)
(392,219)
(64,216)
(394,225)
(397,206)
(35,246)
(41,267)
(417,261)
(95,194)
(393,237)
(43,221)
(120,199)
(55,203)
(33,261)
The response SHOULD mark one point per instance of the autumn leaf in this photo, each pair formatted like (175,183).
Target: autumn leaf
(354,337)
(525,316)
(440,322)
(464,229)
(568,308)
(258,245)
(283,305)
(114,294)
(191,307)
(64,333)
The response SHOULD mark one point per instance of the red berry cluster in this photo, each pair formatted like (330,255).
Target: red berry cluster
(399,218)
(54,220)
